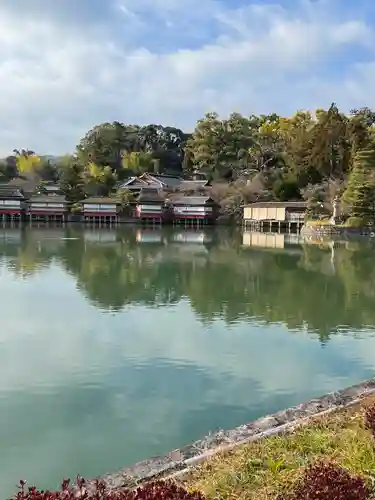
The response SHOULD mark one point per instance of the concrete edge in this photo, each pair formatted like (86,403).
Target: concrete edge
(178,462)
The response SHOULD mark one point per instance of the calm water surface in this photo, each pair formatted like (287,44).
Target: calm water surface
(119,345)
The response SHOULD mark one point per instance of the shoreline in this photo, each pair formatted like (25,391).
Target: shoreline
(310,230)
(179,462)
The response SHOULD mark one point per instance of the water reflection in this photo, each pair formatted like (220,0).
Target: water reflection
(120,344)
(320,286)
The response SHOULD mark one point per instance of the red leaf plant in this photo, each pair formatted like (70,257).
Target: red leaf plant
(156,490)
(326,481)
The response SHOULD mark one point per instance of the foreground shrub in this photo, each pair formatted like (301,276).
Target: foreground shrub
(325,481)
(156,490)
(370,419)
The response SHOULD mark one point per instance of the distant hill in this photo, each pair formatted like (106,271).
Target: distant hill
(51,158)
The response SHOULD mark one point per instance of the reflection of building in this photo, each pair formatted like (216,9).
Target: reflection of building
(264,240)
(101,236)
(148,236)
(11,236)
(275,214)
(46,238)
(198,237)
(189,244)
(258,239)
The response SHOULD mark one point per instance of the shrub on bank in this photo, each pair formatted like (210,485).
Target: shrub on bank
(326,481)
(156,490)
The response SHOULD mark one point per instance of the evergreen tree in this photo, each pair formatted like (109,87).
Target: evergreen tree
(359,195)
(71,179)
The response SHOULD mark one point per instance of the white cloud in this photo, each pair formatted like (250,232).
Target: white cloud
(170,62)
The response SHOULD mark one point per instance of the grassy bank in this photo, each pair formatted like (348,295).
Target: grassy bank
(330,458)
(270,467)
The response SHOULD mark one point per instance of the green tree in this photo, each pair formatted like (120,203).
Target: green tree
(225,147)
(46,170)
(359,195)
(105,143)
(126,199)
(9,167)
(136,163)
(71,179)
(329,144)
(285,189)
(206,143)
(99,181)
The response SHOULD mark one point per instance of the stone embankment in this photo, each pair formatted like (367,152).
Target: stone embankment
(178,462)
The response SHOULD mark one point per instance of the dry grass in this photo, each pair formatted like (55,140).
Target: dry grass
(263,469)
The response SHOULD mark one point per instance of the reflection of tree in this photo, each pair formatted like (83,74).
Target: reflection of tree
(312,287)
(25,256)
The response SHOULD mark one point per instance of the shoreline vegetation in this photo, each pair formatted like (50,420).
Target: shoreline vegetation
(274,467)
(314,157)
(330,457)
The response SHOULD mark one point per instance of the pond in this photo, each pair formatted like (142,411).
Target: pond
(117,345)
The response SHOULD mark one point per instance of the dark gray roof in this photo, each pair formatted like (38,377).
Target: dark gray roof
(170,181)
(150,195)
(28,185)
(191,200)
(10,192)
(48,199)
(132,183)
(281,204)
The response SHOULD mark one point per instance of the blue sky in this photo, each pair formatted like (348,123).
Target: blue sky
(67,65)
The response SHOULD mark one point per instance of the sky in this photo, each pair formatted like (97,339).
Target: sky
(68,65)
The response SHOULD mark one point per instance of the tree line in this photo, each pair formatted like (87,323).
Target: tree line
(312,156)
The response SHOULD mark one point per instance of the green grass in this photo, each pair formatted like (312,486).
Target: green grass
(262,469)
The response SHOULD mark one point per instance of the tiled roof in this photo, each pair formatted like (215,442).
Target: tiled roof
(48,199)
(168,180)
(147,194)
(7,191)
(190,200)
